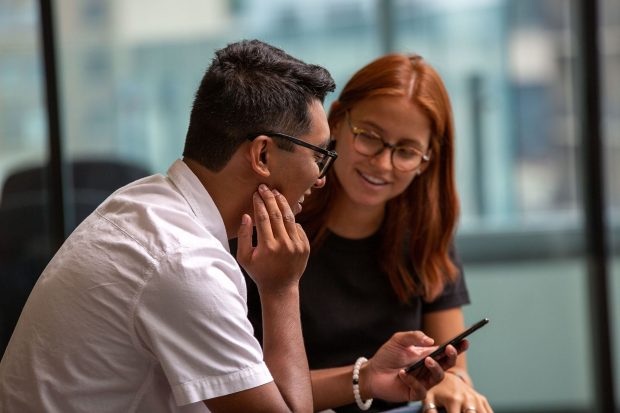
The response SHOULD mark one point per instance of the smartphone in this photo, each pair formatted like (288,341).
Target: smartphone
(437,354)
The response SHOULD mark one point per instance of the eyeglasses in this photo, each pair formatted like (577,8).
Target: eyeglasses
(324,161)
(404,158)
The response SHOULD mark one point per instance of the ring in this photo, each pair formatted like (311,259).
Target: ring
(428,406)
(470,409)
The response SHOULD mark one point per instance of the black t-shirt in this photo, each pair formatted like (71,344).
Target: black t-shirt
(348,307)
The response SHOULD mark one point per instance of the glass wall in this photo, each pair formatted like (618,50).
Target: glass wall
(128,71)
(509,68)
(610,67)
(24,235)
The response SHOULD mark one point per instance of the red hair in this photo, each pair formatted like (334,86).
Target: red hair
(419,224)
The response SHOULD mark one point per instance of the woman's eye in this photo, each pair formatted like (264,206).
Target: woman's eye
(407,153)
(368,136)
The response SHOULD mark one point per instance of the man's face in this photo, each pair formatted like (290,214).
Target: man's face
(297,172)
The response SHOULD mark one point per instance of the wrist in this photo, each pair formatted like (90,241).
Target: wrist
(365,387)
(267,292)
(460,375)
(360,382)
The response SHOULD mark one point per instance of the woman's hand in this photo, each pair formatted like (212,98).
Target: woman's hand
(384,377)
(456,396)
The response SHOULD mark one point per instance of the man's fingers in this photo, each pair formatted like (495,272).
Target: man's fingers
(288,217)
(244,239)
(261,216)
(275,214)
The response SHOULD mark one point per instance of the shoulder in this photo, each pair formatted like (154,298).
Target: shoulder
(155,214)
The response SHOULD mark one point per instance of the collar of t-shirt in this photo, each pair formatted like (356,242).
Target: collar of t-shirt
(199,200)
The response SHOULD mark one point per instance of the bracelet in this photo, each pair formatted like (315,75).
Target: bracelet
(356,385)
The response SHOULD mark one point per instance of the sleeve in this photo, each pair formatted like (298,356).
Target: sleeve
(454,294)
(192,317)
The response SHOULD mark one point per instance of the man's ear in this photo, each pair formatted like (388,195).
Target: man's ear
(259,155)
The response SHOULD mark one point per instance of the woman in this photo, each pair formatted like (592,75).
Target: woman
(383,226)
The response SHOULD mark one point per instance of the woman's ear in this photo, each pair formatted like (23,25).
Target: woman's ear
(335,106)
(335,126)
(259,155)
(424,165)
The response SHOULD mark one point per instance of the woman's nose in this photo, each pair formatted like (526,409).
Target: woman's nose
(383,158)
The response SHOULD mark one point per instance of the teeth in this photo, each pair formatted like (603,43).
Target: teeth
(373,180)
(301,200)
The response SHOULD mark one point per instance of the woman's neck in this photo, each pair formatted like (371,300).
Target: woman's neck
(354,221)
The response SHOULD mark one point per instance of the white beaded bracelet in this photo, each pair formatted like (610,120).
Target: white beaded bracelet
(356,385)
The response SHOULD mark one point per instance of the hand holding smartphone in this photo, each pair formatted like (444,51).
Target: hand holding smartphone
(437,354)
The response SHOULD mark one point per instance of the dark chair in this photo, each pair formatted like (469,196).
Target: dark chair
(93,181)
(25,247)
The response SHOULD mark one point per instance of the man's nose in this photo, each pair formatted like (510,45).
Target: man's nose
(320,182)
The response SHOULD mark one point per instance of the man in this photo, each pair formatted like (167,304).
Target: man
(143,308)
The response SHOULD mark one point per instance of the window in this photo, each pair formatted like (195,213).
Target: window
(128,72)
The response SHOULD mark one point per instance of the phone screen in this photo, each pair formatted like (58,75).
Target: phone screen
(437,354)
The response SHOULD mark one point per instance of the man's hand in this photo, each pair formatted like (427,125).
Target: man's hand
(276,265)
(281,254)
(384,376)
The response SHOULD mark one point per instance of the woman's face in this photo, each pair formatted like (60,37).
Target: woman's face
(371,181)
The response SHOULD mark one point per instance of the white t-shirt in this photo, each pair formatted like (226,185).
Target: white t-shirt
(143,309)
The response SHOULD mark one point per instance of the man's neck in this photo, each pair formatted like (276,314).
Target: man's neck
(230,192)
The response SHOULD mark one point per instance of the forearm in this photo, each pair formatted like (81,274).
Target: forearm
(331,387)
(334,387)
(283,348)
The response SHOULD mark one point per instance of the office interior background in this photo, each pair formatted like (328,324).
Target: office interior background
(125,74)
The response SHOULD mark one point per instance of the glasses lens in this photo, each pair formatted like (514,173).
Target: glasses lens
(406,159)
(367,144)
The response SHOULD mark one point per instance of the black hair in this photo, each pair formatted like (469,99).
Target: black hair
(251,87)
